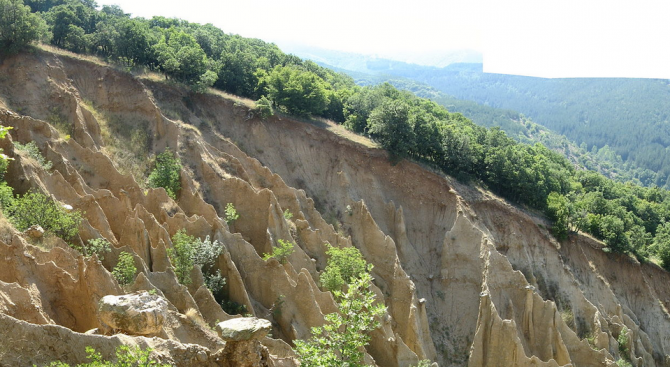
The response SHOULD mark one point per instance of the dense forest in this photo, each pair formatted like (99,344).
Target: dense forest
(627,217)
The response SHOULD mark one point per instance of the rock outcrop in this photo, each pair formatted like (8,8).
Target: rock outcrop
(133,314)
(468,279)
(242,337)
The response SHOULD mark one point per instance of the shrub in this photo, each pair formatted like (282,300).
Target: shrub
(622,340)
(124,271)
(35,208)
(97,246)
(125,357)
(231,213)
(33,152)
(189,251)
(341,340)
(6,197)
(280,252)
(288,215)
(264,107)
(206,255)
(166,173)
(344,265)
(182,255)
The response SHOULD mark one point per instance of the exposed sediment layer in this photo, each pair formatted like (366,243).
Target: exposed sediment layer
(467,278)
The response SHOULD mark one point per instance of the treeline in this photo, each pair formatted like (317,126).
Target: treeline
(627,217)
(629,115)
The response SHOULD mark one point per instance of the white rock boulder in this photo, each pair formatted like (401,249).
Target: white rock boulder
(243,329)
(135,314)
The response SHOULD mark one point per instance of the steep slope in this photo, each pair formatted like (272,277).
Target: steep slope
(468,279)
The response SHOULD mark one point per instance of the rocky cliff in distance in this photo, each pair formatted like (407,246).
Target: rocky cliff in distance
(468,279)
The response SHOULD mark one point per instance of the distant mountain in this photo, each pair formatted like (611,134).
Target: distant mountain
(380,63)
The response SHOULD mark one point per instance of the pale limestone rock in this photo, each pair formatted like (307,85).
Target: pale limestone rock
(243,329)
(136,314)
(242,336)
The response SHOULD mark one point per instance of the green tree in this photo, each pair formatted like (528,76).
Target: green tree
(341,340)
(299,92)
(124,271)
(281,252)
(132,42)
(166,173)
(558,210)
(180,56)
(661,245)
(182,255)
(18,26)
(389,124)
(344,265)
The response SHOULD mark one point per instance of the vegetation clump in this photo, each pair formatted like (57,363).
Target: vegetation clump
(344,265)
(125,357)
(281,252)
(189,251)
(264,107)
(96,246)
(166,173)
(182,255)
(341,340)
(35,208)
(125,270)
(33,152)
(18,26)
(231,213)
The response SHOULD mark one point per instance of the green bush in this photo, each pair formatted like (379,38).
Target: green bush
(623,341)
(97,246)
(189,251)
(33,152)
(125,357)
(206,256)
(6,197)
(264,107)
(341,340)
(231,213)
(166,173)
(280,252)
(182,255)
(288,215)
(124,271)
(344,265)
(35,208)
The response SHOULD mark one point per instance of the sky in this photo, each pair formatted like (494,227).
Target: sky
(548,38)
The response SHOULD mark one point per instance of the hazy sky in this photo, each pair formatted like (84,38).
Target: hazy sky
(359,26)
(552,38)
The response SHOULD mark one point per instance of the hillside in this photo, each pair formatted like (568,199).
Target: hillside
(514,124)
(467,278)
(597,112)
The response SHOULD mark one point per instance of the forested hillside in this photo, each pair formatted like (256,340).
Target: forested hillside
(626,217)
(628,115)
(514,124)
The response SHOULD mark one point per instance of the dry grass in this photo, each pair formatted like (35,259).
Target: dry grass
(59,51)
(341,131)
(115,136)
(251,104)
(6,229)
(197,320)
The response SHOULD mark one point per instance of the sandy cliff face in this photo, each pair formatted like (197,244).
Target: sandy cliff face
(468,279)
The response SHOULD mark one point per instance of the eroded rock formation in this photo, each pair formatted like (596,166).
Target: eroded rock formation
(467,278)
